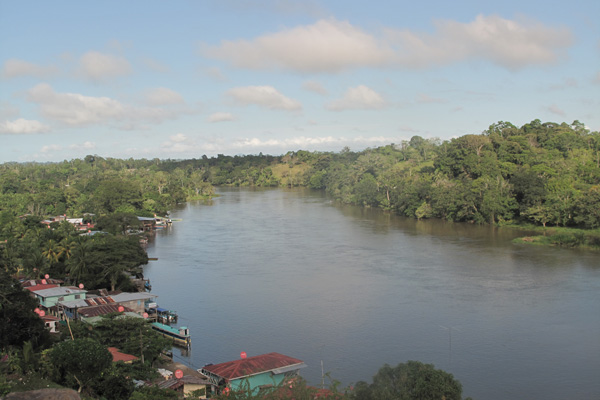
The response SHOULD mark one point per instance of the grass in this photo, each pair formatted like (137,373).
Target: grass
(560,236)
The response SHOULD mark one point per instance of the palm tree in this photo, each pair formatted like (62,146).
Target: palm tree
(52,252)
(115,271)
(33,262)
(79,263)
(66,248)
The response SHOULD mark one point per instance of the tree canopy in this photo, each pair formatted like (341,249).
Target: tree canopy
(412,380)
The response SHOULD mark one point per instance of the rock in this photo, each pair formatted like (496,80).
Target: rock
(44,394)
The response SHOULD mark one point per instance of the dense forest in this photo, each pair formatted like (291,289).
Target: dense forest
(542,173)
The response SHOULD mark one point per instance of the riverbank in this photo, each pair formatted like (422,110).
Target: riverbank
(559,236)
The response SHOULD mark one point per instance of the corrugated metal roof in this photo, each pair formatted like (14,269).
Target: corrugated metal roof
(253,365)
(87,302)
(101,310)
(132,296)
(36,288)
(34,282)
(172,384)
(99,300)
(59,291)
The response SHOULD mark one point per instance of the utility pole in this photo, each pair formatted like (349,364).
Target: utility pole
(141,346)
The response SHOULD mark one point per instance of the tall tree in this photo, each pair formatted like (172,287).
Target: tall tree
(409,381)
(18,321)
(82,360)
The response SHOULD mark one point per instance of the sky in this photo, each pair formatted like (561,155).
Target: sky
(183,79)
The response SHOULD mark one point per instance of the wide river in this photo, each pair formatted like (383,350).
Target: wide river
(289,271)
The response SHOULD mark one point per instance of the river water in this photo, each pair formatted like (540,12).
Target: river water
(289,271)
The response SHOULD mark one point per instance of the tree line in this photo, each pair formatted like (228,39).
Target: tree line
(546,173)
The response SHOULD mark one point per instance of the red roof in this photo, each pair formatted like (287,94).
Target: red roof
(101,310)
(118,356)
(252,365)
(40,287)
(33,282)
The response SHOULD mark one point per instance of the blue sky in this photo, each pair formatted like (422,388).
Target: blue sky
(182,79)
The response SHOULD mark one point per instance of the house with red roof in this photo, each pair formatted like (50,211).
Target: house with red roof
(118,356)
(50,322)
(252,373)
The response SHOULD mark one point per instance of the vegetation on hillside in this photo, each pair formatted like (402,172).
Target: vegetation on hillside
(547,174)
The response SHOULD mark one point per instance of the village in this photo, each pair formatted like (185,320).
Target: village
(61,305)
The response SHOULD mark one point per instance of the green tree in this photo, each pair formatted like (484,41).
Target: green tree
(132,335)
(78,264)
(80,362)
(18,321)
(118,223)
(409,381)
(365,191)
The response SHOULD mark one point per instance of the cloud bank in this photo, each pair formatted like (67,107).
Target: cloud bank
(22,127)
(263,96)
(358,98)
(331,46)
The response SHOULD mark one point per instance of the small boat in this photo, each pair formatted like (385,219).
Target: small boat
(163,315)
(181,336)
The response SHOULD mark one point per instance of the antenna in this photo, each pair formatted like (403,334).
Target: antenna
(449,329)
(322,376)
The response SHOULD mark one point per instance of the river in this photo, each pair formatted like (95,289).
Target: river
(288,271)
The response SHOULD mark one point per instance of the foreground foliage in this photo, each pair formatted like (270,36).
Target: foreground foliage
(409,381)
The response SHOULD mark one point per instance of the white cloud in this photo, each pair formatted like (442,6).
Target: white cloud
(360,97)
(308,143)
(332,46)
(314,86)
(554,109)
(509,43)
(8,110)
(264,96)
(163,96)
(326,46)
(423,98)
(99,66)
(14,68)
(75,109)
(179,143)
(155,65)
(220,117)
(51,148)
(178,138)
(22,127)
(214,73)
(597,79)
(83,146)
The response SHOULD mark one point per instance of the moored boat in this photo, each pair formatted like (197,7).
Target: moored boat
(162,315)
(181,336)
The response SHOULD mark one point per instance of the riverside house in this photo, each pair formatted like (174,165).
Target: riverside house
(252,373)
(100,305)
(49,297)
